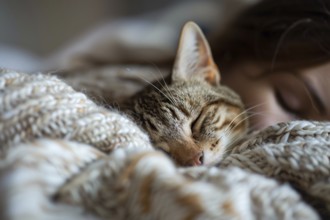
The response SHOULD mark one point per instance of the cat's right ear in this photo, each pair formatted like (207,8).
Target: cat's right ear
(194,58)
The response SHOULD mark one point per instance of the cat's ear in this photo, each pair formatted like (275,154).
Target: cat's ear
(194,58)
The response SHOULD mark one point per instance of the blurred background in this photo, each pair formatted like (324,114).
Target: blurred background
(34,29)
(41,26)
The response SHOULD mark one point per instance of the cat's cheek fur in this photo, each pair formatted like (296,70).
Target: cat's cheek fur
(210,158)
(213,155)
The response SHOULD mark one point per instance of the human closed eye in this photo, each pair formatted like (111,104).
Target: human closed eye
(288,102)
(297,98)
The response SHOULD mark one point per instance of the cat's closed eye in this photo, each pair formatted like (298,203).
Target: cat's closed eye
(193,123)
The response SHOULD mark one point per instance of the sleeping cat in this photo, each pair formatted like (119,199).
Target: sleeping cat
(190,116)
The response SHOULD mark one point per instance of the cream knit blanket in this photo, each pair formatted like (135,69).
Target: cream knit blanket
(65,157)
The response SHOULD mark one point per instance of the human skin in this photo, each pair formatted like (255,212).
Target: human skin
(279,96)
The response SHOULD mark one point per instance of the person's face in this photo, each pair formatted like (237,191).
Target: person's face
(281,96)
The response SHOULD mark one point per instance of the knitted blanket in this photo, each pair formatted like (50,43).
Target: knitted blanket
(66,157)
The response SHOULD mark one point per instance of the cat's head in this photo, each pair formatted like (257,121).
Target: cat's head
(193,117)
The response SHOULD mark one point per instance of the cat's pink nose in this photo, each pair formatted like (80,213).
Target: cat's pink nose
(198,160)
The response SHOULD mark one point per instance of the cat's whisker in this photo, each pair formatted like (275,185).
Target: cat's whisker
(246,118)
(165,86)
(172,101)
(229,129)
(244,112)
(150,83)
(241,121)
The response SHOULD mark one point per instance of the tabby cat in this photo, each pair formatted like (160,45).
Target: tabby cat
(189,115)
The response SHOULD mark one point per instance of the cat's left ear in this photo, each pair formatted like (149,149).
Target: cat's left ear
(194,58)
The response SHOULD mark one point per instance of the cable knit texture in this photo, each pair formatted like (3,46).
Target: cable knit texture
(65,157)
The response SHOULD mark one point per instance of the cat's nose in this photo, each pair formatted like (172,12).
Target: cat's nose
(197,160)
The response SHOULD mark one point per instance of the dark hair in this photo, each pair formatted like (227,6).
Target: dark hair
(281,33)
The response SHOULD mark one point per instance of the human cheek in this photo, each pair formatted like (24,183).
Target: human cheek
(263,107)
